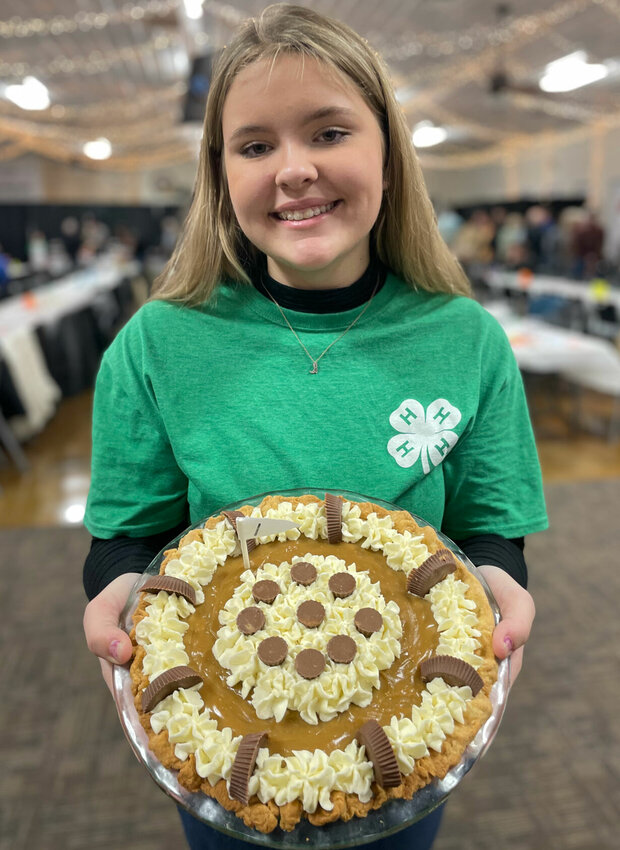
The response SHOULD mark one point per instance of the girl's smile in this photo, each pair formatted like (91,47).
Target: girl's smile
(304,211)
(303,155)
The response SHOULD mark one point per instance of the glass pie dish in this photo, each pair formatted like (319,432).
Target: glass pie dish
(393,816)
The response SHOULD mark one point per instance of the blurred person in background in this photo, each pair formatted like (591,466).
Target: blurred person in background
(588,242)
(473,242)
(449,223)
(37,251)
(540,226)
(561,245)
(70,235)
(169,233)
(5,261)
(511,242)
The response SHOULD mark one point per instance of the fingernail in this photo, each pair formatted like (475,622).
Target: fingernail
(509,644)
(113,649)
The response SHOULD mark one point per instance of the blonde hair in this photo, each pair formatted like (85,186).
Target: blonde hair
(212,246)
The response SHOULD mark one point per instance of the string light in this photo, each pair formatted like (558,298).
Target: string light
(517,146)
(142,101)
(96,62)
(17,27)
(477,36)
(30,95)
(140,132)
(98,148)
(82,21)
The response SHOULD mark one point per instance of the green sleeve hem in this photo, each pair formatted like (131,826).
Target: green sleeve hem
(508,531)
(107,533)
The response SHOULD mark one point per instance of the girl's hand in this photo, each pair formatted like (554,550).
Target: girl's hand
(517,609)
(104,636)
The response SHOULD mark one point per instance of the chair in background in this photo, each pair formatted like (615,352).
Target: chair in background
(605,384)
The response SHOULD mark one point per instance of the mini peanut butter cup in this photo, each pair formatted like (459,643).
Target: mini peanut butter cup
(342,584)
(333,513)
(431,571)
(341,649)
(170,584)
(303,573)
(250,620)
(272,651)
(311,614)
(232,517)
(243,765)
(310,663)
(454,671)
(265,591)
(168,682)
(379,751)
(368,621)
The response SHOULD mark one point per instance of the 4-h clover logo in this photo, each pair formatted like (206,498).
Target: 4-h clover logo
(428,435)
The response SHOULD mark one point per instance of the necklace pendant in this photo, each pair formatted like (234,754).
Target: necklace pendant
(315,368)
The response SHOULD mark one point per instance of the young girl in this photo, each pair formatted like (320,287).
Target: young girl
(311,330)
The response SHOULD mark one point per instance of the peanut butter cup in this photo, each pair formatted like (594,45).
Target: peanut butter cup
(380,753)
(368,621)
(311,614)
(342,584)
(170,584)
(265,590)
(250,620)
(168,682)
(232,517)
(243,765)
(341,649)
(430,572)
(454,671)
(310,663)
(303,573)
(333,513)
(272,651)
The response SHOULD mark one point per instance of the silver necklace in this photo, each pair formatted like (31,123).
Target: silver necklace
(315,362)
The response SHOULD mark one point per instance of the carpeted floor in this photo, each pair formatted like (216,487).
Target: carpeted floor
(551,780)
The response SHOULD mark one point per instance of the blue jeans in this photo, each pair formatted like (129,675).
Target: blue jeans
(419,836)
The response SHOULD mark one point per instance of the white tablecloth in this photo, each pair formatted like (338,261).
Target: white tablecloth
(574,290)
(544,348)
(54,300)
(19,344)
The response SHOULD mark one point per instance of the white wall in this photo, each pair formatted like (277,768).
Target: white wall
(588,167)
(32,179)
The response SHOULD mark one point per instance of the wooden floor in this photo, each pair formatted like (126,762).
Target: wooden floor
(53,491)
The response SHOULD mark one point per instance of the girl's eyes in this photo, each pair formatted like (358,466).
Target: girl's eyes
(331,136)
(334,134)
(255,149)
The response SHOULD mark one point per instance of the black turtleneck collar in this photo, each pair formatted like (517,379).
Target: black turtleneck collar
(320,300)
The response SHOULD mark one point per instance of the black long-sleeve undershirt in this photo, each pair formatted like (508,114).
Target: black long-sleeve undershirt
(108,559)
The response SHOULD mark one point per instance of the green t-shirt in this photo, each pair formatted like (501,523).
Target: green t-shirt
(420,404)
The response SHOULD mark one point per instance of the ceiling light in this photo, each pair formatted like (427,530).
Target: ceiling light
(571,72)
(193,9)
(98,149)
(74,513)
(426,135)
(31,94)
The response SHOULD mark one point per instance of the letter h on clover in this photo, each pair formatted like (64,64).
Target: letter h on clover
(426,434)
